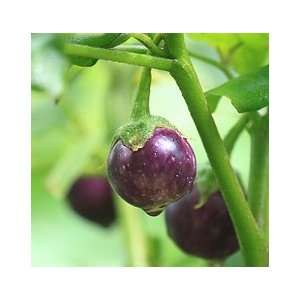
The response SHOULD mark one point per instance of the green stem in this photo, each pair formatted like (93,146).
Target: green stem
(212,62)
(231,52)
(134,236)
(252,243)
(122,38)
(233,134)
(258,167)
(226,59)
(119,56)
(132,48)
(148,42)
(265,209)
(141,103)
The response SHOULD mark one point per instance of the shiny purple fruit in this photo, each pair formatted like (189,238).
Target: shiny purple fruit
(159,173)
(91,197)
(206,231)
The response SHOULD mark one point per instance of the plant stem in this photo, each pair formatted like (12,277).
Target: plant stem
(212,62)
(134,235)
(148,42)
(225,59)
(258,182)
(141,103)
(119,56)
(132,48)
(233,134)
(231,52)
(251,240)
(123,37)
(265,209)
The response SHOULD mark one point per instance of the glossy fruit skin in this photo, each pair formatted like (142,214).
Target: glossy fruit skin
(91,197)
(206,231)
(159,173)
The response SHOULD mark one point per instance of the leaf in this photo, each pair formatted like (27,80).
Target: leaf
(94,40)
(252,54)
(83,61)
(212,101)
(248,92)
(246,52)
(223,41)
(48,64)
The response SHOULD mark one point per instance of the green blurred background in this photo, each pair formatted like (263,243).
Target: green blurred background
(75,112)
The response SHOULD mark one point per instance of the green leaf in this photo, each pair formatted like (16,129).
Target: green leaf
(94,40)
(212,101)
(48,64)
(223,41)
(252,54)
(248,92)
(83,61)
(246,52)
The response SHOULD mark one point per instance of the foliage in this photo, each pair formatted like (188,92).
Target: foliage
(76,110)
(247,93)
(245,52)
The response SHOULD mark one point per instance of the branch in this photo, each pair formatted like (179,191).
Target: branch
(234,133)
(119,56)
(148,42)
(258,182)
(132,48)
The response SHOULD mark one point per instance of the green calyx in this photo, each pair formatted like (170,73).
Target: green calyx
(136,133)
(207,184)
